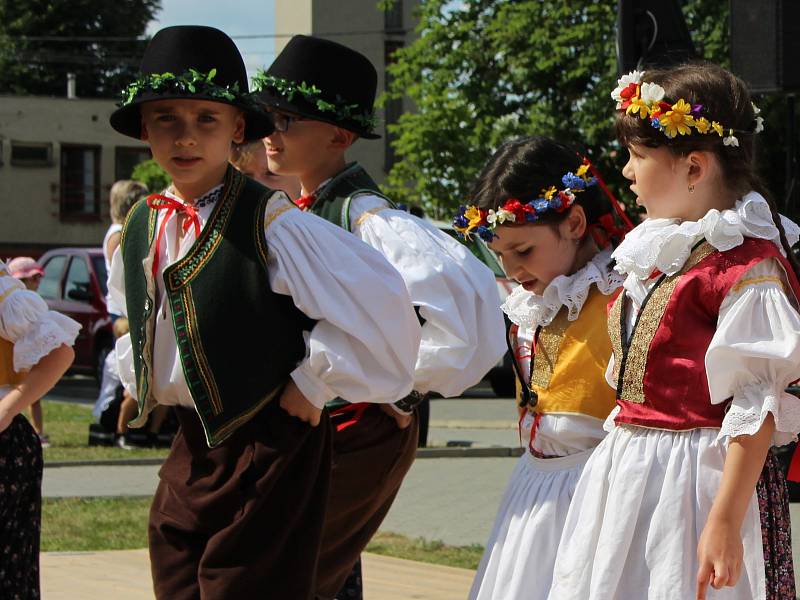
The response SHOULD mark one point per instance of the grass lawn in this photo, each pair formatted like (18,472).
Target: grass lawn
(74,524)
(67,425)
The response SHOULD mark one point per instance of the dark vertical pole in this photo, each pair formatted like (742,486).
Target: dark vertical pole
(789,205)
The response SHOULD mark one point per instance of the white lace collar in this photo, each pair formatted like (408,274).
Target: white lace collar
(665,244)
(527,309)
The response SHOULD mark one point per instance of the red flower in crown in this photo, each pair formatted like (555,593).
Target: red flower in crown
(628,94)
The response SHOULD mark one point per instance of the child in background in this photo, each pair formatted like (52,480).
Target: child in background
(251,160)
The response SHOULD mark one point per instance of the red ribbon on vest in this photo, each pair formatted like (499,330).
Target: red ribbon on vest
(357,409)
(305,202)
(172,206)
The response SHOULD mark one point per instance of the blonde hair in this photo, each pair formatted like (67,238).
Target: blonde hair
(121,327)
(242,154)
(124,194)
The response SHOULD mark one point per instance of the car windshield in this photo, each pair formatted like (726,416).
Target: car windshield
(99,264)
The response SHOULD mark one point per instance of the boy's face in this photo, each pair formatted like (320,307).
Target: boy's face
(191,139)
(307,146)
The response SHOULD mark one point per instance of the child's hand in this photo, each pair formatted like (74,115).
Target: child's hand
(402,420)
(296,404)
(720,554)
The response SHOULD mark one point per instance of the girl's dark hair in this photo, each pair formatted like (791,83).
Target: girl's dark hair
(524,167)
(725,99)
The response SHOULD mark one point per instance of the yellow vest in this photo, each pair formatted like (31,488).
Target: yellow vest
(571,360)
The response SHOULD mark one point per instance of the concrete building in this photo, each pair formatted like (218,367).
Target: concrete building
(58,160)
(363,26)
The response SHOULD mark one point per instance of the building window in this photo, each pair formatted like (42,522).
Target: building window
(125,159)
(393,17)
(80,181)
(31,154)
(392,109)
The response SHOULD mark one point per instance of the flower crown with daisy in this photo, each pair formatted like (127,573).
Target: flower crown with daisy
(473,220)
(646,99)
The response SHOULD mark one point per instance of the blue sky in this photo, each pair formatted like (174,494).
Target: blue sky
(234,17)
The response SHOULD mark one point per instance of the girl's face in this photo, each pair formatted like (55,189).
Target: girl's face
(660,182)
(535,254)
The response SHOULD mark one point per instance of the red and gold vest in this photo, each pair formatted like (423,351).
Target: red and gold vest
(660,368)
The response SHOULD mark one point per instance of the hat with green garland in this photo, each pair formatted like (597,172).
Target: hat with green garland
(190,62)
(322,80)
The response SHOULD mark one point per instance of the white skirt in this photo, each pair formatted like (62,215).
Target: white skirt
(519,557)
(637,515)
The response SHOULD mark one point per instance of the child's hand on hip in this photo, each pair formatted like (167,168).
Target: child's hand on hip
(720,554)
(296,404)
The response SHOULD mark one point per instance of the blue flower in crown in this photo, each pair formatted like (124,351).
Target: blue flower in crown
(555,203)
(573,182)
(540,204)
(460,220)
(486,234)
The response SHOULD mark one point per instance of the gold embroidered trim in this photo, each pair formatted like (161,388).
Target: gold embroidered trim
(757,281)
(368,213)
(231,426)
(646,326)
(547,347)
(202,362)
(615,332)
(277,214)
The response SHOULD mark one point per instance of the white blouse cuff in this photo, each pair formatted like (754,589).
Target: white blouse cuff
(311,386)
(50,331)
(750,407)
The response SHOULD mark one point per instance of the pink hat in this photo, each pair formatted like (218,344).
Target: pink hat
(23,267)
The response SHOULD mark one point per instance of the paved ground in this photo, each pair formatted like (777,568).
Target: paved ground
(124,575)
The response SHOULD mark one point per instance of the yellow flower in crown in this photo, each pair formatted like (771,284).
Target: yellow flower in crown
(717,127)
(638,106)
(678,120)
(473,215)
(702,125)
(549,192)
(582,170)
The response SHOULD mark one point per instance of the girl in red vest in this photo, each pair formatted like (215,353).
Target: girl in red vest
(682,499)
(541,209)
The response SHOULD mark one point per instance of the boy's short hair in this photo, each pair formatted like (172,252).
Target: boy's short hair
(120,327)
(242,154)
(124,194)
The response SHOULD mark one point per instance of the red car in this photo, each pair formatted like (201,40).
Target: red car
(74,284)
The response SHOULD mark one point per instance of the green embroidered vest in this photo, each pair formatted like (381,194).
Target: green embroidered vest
(333,200)
(237,340)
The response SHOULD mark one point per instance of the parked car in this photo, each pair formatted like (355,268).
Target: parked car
(74,283)
(501,377)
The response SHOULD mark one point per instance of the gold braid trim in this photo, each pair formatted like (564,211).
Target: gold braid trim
(758,281)
(277,214)
(202,362)
(547,348)
(615,327)
(368,213)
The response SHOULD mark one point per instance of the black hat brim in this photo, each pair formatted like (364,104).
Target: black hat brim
(273,99)
(127,120)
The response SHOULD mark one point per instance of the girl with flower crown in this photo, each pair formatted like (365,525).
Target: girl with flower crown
(541,210)
(683,493)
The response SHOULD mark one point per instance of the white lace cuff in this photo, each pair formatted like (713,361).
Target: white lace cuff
(42,337)
(750,407)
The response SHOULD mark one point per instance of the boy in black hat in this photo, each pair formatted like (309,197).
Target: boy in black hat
(242,317)
(320,95)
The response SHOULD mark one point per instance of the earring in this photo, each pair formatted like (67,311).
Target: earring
(691,188)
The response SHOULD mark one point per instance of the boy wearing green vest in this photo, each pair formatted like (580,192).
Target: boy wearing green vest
(242,318)
(320,95)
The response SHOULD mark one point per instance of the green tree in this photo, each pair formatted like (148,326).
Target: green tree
(36,51)
(150,173)
(485,71)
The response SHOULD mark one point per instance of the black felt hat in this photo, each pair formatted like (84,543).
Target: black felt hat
(322,80)
(195,63)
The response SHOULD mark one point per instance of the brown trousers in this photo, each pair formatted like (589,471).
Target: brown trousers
(370,460)
(244,519)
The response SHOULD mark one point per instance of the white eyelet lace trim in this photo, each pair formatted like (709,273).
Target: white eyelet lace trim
(527,309)
(751,406)
(665,244)
(48,333)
